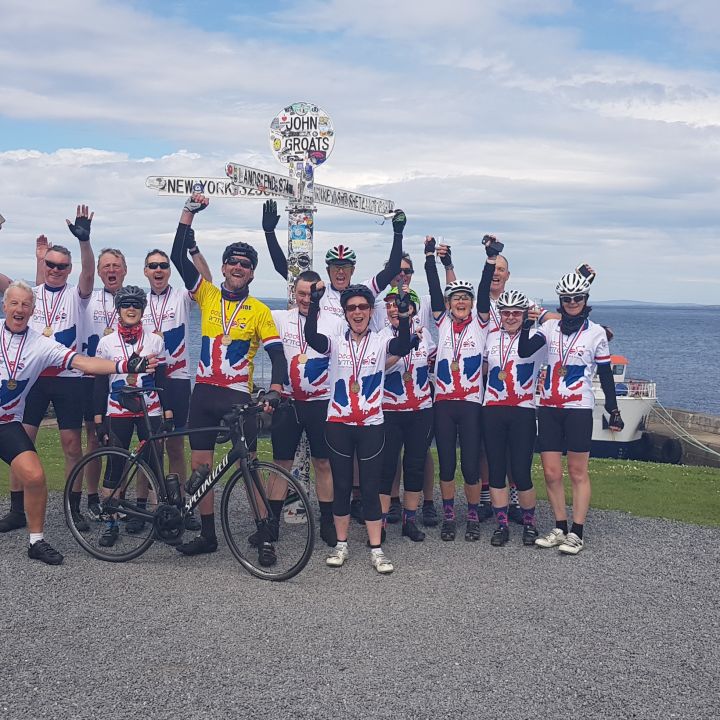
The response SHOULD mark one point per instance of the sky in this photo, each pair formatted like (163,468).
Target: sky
(574,130)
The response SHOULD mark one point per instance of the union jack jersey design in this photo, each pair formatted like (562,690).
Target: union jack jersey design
(231,365)
(464,380)
(28,353)
(99,315)
(330,301)
(309,380)
(572,361)
(350,404)
(407,382)
(112,347)
(379,318)
(511,379)
(60,309)
(171,312)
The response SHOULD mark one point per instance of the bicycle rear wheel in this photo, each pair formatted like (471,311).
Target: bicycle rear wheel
(267,546)
(124,529)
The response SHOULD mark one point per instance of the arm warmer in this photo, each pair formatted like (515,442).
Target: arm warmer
(160,377)
(401,344)
(277,256)
(527,345)
(101,390)
(181,259)
(383,278)
(483,297)
(317,341)
(437,301)
(279,372)
(607,383)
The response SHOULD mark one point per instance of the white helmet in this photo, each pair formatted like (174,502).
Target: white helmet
(513,299)
(457,286)
(573,284)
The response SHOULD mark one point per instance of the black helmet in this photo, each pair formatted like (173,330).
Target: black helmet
(130,292)
(243,250)
(356,291)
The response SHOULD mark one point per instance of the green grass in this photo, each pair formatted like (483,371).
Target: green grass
(678,492)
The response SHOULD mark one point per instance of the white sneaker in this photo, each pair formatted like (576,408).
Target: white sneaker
(338,555)
(554,538)
(572,545)
(294,513)
(381,563)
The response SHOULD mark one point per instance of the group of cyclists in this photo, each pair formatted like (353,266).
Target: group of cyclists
(373,372)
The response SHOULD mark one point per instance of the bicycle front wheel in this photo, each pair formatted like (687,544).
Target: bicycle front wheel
(122,528)
(270,546)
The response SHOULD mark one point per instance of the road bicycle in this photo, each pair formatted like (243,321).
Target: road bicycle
(145,504)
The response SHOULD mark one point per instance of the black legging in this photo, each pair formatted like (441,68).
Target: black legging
(121,432)
(344,443)
(510,430)
(411,430)
(461,418)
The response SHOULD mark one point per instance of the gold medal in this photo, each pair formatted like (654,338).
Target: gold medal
(158,332)
(407,376)
(132,379)
(302,359)
(11,384)
(502,375)
(563,371)
(47,332)
(107,331)
(454,365)
(355,387)
(225,340)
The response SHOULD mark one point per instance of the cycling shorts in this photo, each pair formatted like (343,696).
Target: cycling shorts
(63,393)
(561,429)
(208,404)
(288,423)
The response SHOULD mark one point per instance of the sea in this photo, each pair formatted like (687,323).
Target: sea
(678,347)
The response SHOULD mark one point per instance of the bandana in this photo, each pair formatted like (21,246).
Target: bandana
(130,335)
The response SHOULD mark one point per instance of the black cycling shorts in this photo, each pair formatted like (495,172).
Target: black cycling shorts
(288,423)
(64,393)
(88,402)
(176,397)
(14,441)
(561,429)
(208,404)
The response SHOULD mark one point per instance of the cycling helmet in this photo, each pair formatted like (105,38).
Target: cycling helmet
(340,255)
(459,286)
(352,291)
(241,249)
(513,299)
(414,297)
(130,292)
(572,284)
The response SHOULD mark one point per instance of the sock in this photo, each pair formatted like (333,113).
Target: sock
(428,503)
(408,516)
(577,528)
(75,501)
(383,517)
(449,509)
(93,499)
(562,525)
(501,515)
(326,509)
(207,529)
(342,544)
(355,493)
(375,549)
(513,495)
(17,501)
(36,537)
(141,503)
(473,512)
(277,507)
(528,516)
(394,500)
(485,493)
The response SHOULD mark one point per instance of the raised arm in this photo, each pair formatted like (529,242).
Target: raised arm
(81,230)
(445,255)
(437,299)
(317,341)
(270,219)
(401,344)
(4,282)
(185,237)
(41,248)
(198,259)
(392,267)
(483,297)
(100,366)
(527,345)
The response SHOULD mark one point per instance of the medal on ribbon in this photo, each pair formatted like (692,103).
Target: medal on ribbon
(302,357)
(157,317)
(356,358)
(12,367)
(132,378)
(505,354)
(457,347)
(565,354)
(54,305)
(226,325)
(108,323)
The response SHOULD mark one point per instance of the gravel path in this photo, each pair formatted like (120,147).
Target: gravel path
(628,629)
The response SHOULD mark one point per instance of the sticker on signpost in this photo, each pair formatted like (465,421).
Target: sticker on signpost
(302,131)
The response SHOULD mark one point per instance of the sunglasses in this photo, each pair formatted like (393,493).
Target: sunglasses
(57,266)
(572,298)
(406,271)
(158,265)
(460,297)
(511,313)
(135,304)
(241,261)
(352,307)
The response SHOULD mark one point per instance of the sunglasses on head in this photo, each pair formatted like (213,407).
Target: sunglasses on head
(158,265)
(352,307)
(135,304)
(57,266)
(572,298)
(241,261)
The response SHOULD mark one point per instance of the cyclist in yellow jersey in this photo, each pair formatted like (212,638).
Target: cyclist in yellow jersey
(233,325)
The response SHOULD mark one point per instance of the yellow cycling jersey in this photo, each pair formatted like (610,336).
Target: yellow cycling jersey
(231,334)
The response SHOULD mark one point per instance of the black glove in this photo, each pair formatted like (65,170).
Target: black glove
(102,432)
(402,303)
(194,207)
(398,222)
(616,422)
(166,426)
(492,246)
(81,228)
(429,245)
(272,397)
(315,294)
(270,217)
(137,364)
(415,342)
(446,259)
